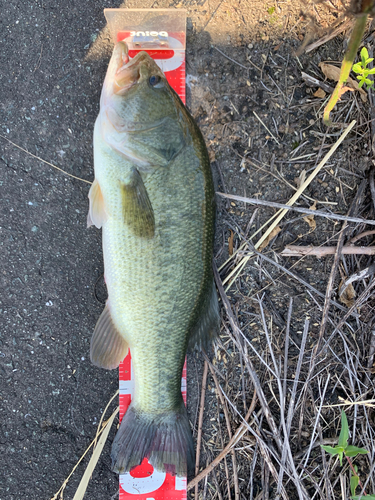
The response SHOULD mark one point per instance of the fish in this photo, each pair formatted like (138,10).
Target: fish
(153,197)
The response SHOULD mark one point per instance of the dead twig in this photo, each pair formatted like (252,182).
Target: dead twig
(311,81)
(365,273)
(265,450)
(357,304)
(346,24)
(371,350)
(266,203)
(265,126)
(372,184)
(105,429)
(360,236)
(200,422)
(230,59)
(44,161)
(248,362)
(227,420)
(327,301)
(301,280)
(297,251)
(286,451)
(236,437)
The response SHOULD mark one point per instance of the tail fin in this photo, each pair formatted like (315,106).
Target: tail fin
(164,439)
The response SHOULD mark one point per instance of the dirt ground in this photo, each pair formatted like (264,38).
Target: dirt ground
(262,125)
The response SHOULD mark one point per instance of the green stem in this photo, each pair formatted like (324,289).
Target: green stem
(351,51)
(354,472)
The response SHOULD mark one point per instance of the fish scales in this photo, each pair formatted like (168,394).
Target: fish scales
(147,276)
(153,197)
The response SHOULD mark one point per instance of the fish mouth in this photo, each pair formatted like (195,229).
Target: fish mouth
(129,71)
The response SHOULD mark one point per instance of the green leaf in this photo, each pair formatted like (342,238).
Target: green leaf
(352,451)
(361,83)
(344,433)
(354,481)
(332,451)
(371,71)
(369,60)
(367,497)
(357,68)
(368,81)
(364,55)
(271,10)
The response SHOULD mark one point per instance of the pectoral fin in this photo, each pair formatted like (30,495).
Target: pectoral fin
(108,348)
(97,214)
(137,209)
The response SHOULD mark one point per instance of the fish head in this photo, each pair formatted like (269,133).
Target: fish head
(136,91)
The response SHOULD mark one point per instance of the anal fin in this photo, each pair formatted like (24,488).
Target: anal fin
(206,328)
(137,209)
(108,348)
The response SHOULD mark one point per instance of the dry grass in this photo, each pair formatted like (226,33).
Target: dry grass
(280,453)
(291,355)
(300,377)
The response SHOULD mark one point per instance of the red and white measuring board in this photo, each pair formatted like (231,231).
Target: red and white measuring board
(143,482)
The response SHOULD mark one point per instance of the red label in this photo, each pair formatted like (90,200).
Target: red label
(171,60)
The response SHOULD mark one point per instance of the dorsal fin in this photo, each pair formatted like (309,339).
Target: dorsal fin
(206,328)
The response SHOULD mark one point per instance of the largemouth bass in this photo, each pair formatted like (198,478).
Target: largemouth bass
(153,197)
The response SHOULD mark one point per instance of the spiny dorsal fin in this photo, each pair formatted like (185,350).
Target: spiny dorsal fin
(108,348)
(97,214)
(137,209)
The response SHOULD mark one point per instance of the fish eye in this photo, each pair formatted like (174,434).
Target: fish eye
(155,81)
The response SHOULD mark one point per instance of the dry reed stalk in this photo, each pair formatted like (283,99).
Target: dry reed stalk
(59,494)
(286,207)
(227,420)
(200,422)
(319,252)
(81,490)
(236,437)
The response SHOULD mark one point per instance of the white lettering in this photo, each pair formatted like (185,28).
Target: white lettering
(163,34)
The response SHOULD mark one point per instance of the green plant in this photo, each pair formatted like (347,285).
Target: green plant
(347,63)
(344,449)
(361,69)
